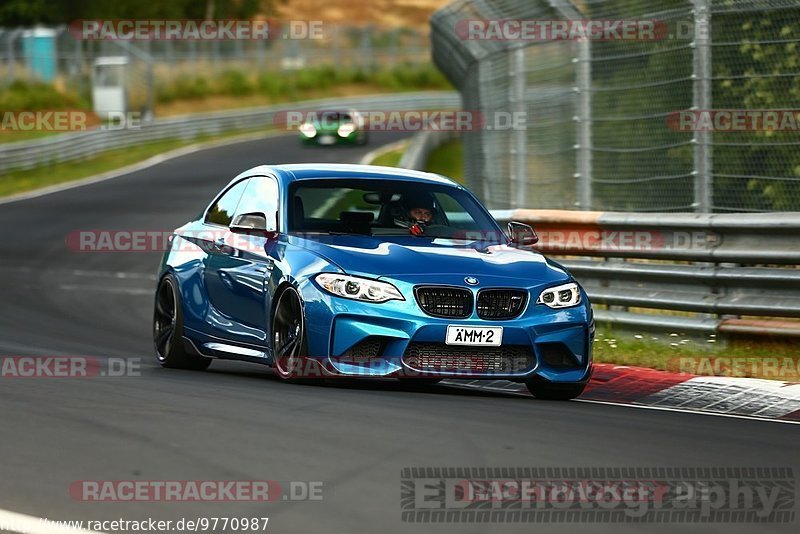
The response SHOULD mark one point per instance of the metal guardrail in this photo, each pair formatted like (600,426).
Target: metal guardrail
(731,273)
(77,145)
(727,273)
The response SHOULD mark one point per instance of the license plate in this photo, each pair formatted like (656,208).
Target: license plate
(475,336)
(326,140)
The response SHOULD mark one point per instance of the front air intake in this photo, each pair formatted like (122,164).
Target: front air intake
(501,303)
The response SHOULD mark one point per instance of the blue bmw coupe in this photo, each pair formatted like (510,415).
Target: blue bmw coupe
(324,271)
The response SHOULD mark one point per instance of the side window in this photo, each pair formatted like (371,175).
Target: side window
(223,209)
(260,196)
(456,214)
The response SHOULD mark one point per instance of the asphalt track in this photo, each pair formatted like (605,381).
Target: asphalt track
(237,421)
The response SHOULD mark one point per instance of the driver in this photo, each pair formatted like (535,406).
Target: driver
(418,212)
(423,215)
(418,208)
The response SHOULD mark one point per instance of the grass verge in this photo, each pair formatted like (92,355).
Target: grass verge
(389,159)
(678,353)
(447,160)
(21,181)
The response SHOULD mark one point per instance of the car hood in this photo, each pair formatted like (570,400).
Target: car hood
(411,258)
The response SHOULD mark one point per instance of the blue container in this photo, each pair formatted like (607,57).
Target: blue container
(39,50)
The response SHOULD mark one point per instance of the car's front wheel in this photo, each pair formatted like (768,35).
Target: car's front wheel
(549,391)
(289,344)
(168,329)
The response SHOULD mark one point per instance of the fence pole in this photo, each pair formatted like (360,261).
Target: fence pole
(703,164)
(519,158)
(583,79)
(10,54)
(366,48)
(78,62)
(583,116)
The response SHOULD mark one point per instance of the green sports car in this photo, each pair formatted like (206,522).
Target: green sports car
(346,127)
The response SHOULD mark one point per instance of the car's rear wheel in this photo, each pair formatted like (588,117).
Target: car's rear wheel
(550,391)
(168,329)
(289,344)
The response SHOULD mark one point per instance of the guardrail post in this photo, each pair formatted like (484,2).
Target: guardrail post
(703,179)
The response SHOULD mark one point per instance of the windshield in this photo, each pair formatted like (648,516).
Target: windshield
(334,116)
(386,207)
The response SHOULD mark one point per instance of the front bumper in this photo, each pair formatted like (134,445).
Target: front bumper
(397,339)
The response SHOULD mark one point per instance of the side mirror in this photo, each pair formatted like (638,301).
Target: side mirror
(249,223)
(522,235)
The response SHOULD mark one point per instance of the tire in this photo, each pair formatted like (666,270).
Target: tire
(168,329)
(550,391)
(289,342)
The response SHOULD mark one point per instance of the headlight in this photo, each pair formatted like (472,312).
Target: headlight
(563,296)
(346,129)
(308,129)
(353,287)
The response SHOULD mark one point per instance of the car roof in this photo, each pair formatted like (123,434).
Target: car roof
(340,171)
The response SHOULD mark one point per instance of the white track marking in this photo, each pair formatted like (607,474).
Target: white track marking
(524,393)
(28,524)
(120,275)
(694,412)
(150,162)
(372,155)
(166,156)
(27,349)
(112,274)
(366,160)
(117,290)
(741,396)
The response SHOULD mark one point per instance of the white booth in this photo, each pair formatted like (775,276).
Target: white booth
(109,82)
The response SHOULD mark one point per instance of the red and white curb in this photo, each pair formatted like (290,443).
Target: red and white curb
(640,387)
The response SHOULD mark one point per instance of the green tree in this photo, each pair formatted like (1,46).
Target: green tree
(29,12)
